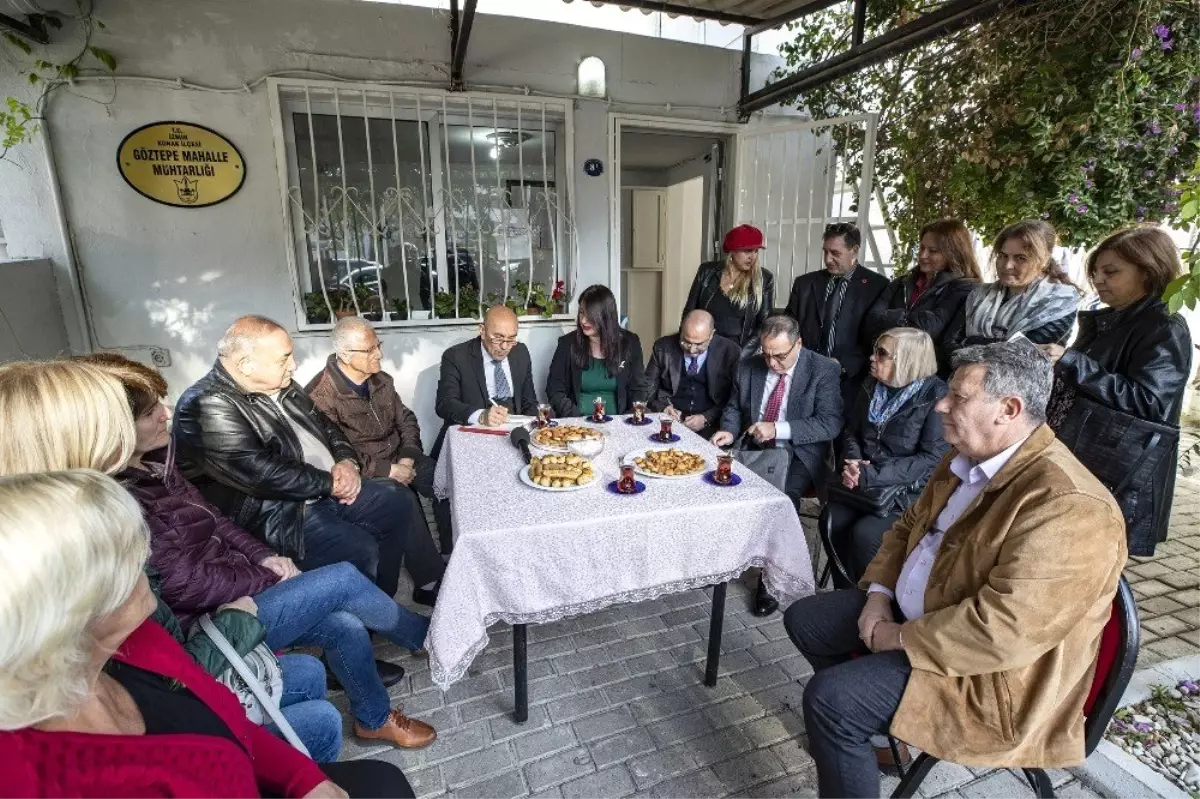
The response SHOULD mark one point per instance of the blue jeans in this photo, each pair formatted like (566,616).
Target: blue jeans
(335,607)
(317,723)
(372,533)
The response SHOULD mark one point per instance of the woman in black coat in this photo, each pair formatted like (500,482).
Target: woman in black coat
(891,444)
(598,359)
(738,292)
(1118,390)
(931,297)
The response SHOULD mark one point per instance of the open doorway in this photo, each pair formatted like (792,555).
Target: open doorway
(671,198)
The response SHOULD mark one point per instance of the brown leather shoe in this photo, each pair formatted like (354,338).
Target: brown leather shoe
(399,730)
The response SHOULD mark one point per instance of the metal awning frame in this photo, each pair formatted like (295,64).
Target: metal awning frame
(952,16)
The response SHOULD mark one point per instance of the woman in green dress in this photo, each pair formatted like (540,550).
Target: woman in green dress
(597,359)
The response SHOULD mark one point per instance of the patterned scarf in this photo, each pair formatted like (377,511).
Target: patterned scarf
(991,313)
(882,409)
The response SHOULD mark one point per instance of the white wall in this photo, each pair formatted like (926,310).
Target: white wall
(31,321)
(174,278)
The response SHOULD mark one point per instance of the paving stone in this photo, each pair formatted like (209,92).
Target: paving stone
(761,678)
(1076,790)
(613,615)
(796,667)
(1189,597)
(424,702)
(1171,648)
(718,746)
(655,767)
(1165,625)
(749,769)
(486,707)
(1178,563)
(556,629)
(1149,570)
(651,625)
(651,607)
(549,649)
(602,725)
(638,687)
(680,728)
(696,783)
(613,782)
(650,663)
(683,616)
(1184,579)
(544,742)
(782,699)
(794,755)
(472,688)
(477,765)
(598,637)
(581,704)
(735,711)
(558,769)
(945,777)
(602,675)
(802,785)
(998,783)
(553,792)
(426,782)
(551,688)
(1190,616)
(773,651)
(508,785)
(677,636)
(685,599)
(1149,588)
(621,747)
(770,730)
(468,738)
(535,670)
(1159,605)
(505,727)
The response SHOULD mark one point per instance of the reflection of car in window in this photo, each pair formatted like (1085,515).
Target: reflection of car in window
(463,274)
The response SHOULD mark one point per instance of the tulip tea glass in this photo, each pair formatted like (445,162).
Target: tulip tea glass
(639,412)
(544,415)
(598,409)
(627,484)
(724,473)
(664,431)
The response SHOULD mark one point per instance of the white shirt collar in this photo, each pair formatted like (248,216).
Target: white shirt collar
(487,356)
(969,472)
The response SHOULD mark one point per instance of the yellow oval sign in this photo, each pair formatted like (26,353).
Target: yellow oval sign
(177,163)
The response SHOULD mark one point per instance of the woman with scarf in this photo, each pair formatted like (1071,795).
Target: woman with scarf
(931,297)
(1032,294)
(1118,390)
(890,446)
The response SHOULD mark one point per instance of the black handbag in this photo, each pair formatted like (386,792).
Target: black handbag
(878,501)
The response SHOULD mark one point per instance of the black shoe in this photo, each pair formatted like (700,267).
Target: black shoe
(427,596)
(389,675)
(764,603)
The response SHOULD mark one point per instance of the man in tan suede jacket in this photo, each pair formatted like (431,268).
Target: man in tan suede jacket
(974,632)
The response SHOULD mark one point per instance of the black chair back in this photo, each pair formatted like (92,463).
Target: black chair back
(1125,628)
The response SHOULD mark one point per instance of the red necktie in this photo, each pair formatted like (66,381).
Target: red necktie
(775,405)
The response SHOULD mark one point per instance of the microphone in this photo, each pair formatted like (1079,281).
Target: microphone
(519,438)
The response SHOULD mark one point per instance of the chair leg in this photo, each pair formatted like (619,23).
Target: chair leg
(1039,780)
(914,776)
(897,758)
(825,533)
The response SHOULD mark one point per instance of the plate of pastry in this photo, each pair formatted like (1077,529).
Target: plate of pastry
(558,473)
(667,462)
(557,439)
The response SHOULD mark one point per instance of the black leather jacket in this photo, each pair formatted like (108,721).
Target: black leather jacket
(245,458)
(938,311)
(706,285)
(1116,405)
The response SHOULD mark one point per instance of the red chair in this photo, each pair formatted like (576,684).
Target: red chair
(1114,668)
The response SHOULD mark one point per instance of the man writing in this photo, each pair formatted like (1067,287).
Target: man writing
(977,631)
(785,395)
(361,399)
(485,379)
(264,454)
(691,375)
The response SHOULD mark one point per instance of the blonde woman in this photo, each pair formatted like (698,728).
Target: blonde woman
(738,292)
(890,446)
(1032,295)
(98,700)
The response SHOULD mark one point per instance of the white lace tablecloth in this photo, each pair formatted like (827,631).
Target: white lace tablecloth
(525,556)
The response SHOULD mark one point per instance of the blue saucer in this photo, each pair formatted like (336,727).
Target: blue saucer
(710,478)
(593,420)
(638,487)
(645,421)
(659,440)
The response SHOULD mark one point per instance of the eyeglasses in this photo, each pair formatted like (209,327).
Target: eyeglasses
(694,346)
(779,357)
(503,341)
(377,348)
(882,354)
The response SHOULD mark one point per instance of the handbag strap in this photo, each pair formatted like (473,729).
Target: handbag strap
(238,663)
(1137,464)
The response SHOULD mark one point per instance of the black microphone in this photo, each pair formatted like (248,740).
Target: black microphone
(519,437)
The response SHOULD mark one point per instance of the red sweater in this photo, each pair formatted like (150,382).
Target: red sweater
(36,763)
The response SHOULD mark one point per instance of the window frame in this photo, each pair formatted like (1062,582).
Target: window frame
(283,106)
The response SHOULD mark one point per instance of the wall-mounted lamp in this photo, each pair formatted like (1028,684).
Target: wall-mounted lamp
(591,77)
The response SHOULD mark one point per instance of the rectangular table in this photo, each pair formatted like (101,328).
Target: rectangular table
(524,556)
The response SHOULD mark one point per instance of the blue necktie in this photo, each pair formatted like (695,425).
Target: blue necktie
(693,365)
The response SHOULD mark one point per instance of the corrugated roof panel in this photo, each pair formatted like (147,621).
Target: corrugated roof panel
(737,12)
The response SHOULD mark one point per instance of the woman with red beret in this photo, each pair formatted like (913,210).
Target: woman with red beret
(738,292)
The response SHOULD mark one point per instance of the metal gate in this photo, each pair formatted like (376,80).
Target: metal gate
(794,179)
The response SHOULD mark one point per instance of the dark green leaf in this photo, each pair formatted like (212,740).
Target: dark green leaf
(18,43)
(105,58)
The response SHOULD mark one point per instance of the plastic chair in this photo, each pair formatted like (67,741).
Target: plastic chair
(1115,661)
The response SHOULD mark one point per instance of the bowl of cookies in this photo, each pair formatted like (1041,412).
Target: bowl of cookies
(667,463)
(559,439)
(568,472)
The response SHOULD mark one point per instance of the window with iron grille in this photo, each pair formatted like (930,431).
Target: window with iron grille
(414,206)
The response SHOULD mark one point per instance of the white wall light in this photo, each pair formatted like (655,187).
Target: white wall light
(591,77)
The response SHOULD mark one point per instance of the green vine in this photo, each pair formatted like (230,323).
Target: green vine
(1185,290)
(46,73)
(1083,113)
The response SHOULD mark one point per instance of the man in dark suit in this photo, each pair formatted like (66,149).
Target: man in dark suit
(832,306)
(691,375)
(485,379)
(785,395)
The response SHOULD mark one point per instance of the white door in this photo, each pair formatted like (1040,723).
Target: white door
(792,180)
(643,275)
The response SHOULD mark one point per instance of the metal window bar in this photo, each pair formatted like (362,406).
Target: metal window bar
(331,224)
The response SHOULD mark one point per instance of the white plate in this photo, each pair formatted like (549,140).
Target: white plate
(557,450)
(527,480)
(641,453)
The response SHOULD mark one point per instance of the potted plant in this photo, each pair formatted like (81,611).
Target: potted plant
(315,309)
(399,310)
(558,299)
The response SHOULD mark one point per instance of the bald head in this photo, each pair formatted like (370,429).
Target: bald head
(499,331)
(696,332)
(257,353)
